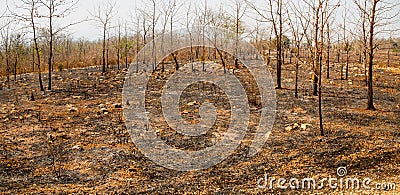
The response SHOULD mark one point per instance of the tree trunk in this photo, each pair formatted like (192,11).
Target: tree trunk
(15,68)
(328,52)
(7,62)
(370,103)
(296,91)
(104,49)
(50,61)
(279,64)
(321,126)
(347,62)
(36,49)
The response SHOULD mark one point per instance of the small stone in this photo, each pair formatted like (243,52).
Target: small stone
(73,109)
(104,110)
(77,147)
(304,126)
(192,103)
(288,128)
(294,126)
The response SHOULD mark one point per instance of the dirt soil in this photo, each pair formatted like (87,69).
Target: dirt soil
(73,139)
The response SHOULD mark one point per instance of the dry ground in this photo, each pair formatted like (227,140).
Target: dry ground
(73,139)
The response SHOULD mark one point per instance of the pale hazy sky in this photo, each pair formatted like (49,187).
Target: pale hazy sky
(126,8)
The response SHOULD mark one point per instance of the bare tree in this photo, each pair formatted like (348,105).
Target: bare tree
(274,15)
(239,10)
(154,18)
(174,8)
(103,16)
(166,13)
(118,44)
(6,43)
(127,46)
(378,14)
(364,40)
(346,46)
(299,27)
(204,21)
(17,48)
(29,13)
(328,49)
(56,9)
(322,12)
(188,24)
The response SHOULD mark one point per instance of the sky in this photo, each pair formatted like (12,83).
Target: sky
(126,10)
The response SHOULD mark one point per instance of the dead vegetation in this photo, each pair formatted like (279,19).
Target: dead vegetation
(73,139)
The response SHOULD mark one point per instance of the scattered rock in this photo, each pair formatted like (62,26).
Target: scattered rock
(297,126)
(192,103)
(77,147)
(104,110)
(185,112)
(73,109)
(304,126)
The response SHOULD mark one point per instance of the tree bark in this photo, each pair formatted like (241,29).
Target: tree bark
(370,104)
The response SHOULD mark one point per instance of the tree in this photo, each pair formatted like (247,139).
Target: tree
(239,11)
(275,17)
(117,43)
(188,24)
(299,27)
(6,42)
(166,12)
(346,46)
(169,12)
(154,18)
(103,17)
(377,14)
(56,9)
(17,48)
(145,30)
(321,12)
(127,46)
(31,7)
(328,49)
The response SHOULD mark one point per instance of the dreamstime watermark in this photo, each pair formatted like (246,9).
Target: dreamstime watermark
(341,182)
(138,118)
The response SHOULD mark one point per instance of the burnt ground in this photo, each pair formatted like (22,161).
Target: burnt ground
(73,139)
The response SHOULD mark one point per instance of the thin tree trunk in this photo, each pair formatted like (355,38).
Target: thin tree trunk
(36,48)
(321,126)
(328,52)
(371,58)
(15,68)
(104,49)
(279,65)
(347,60)
(296,92)
(50,59)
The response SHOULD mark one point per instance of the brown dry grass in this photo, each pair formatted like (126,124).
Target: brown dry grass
(95,155)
